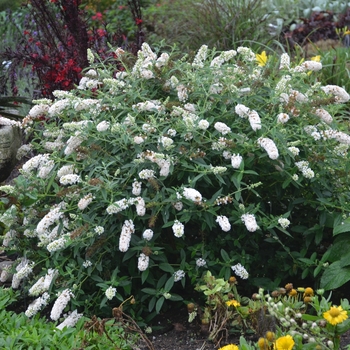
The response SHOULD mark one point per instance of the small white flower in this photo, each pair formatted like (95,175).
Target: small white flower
(103,126)
(87,263)
(147,234)
(236,161)
(99,230)
(224,223)
(146,174)
(143,262)
(85,201)
(284,222)
(192,194)
(136,188)
(250,222)
(203,124)
(200,262)
(69,179)
(179,275)
(222,128)
(282,118)
(110,292)
(139,139)
(178,229)
(294,150)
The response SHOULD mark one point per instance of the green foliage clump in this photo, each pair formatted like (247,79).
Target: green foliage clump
(145,178)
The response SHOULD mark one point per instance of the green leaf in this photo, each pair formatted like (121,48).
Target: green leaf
(344,226)
(166,267)
(335,276)
(149,291)
(169,284)
(159,304)
(144,276)
(224,255)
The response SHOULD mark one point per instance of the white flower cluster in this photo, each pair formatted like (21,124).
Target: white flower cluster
(147,234)
(125,236)
(224,223)
(179,275)
(70,321)
(35,306)
(218,169)
(340,95)
(200,57)
(73,143)
(146,174)
(143,262)
(99,230)
(178,229)
(42,163)
(251,115)
(61,302)
(269,146)
(136,188)
(69,179)
(110,292)
(149,106)
(247,53)
(222,128)
(118,206)
(236,160)
(282,118)
(240,271)
(145,61)
(85,201)
(285,61)
(103,126)
(249,222)
(324,115)
(8,189)
(303,166)
(225,56)
(23,270)
(192,195)
(284,222)
(294,150)
(38,110)
(57,244)
(166,142)
(43,283)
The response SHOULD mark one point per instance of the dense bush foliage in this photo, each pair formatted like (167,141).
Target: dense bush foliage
(144,179)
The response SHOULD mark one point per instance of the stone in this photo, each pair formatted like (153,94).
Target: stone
(10,142)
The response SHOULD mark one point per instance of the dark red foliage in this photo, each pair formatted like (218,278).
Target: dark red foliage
(319,26)
(55,42)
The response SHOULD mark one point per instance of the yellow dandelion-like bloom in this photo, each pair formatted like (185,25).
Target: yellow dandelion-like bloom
(284,343)
(270,336)
(229,347)
(316,58)
(263,344)
(293,293)
(261,59)
(233,302)
(335,315)
(309,292)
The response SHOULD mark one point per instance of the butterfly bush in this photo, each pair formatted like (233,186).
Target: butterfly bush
(142,176)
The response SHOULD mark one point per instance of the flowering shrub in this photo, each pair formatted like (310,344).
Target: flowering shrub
(144,179)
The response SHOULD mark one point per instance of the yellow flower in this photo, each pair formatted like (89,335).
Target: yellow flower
(316,58)
(229,347)
(261,59)
(335,315)
(233,302)
(263,344)
(284,343)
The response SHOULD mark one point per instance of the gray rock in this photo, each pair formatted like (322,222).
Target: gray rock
(10,142)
